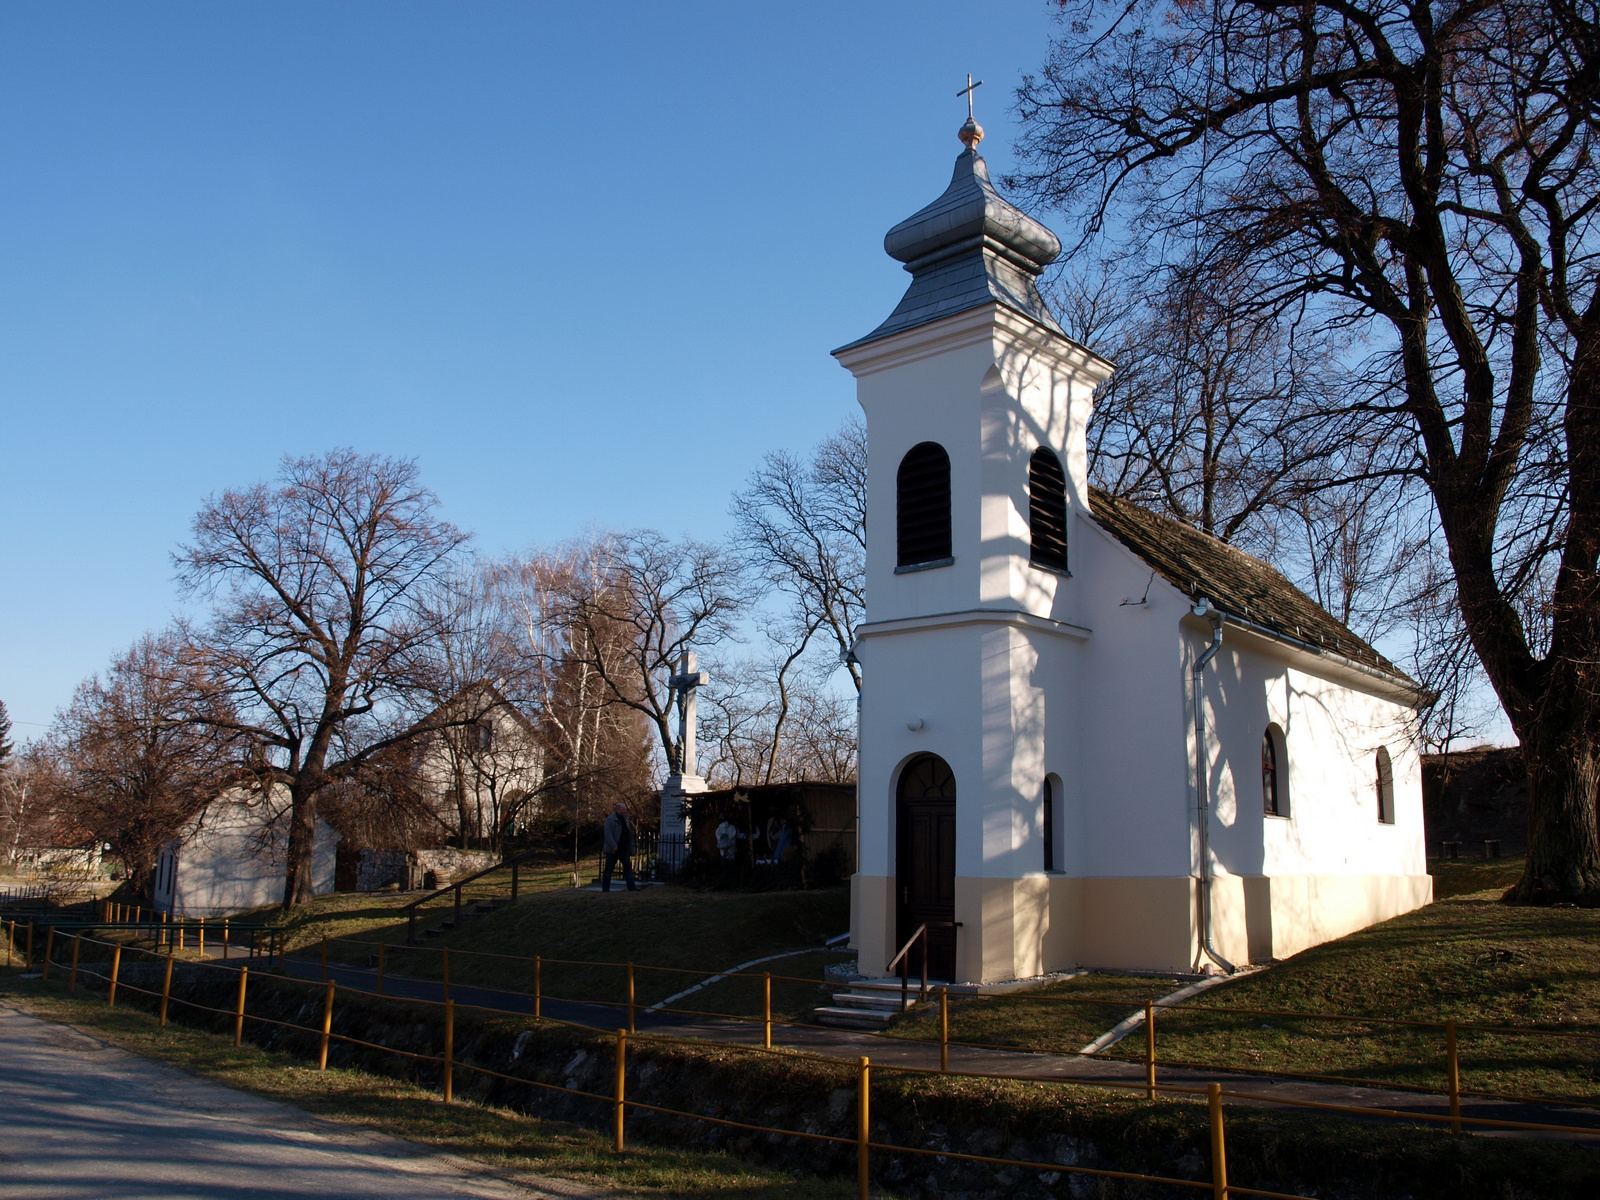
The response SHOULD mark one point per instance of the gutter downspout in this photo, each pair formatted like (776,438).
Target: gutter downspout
(1202,608)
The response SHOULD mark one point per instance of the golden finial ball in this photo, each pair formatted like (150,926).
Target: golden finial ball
(971,134)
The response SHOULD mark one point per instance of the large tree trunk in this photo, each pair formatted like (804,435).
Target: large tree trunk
(141,877)
(298,884)
(1563,772)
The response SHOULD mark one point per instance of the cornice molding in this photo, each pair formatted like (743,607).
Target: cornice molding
(987,322)
(974,616)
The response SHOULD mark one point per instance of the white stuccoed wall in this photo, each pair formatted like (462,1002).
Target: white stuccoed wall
(225,865)
(1018,672)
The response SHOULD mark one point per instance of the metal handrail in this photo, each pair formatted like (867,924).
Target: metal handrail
(910,941)
(411,909)
(922,932)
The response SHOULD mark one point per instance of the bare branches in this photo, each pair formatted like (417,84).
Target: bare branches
(1424,177)
(135,766)
(641,602)
(323,643)
(803,526)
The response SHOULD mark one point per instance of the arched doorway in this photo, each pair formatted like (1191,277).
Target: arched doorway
(925,862)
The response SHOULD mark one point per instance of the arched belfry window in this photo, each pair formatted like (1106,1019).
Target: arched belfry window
(1385,787)
(1047,510)
(922,507)
(1274,774)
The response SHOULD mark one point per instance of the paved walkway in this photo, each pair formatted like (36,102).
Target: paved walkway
(887,1051)
(81,1120)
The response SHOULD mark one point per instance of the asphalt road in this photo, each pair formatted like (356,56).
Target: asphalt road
(80,1120)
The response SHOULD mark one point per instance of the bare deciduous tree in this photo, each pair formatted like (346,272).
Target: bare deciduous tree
(28,794)
(319,639)
(803,526)
(641,602)
(1426,175)
(134,766)
(596,749)
(775,720)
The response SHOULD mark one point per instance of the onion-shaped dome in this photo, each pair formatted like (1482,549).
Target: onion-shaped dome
(968,248)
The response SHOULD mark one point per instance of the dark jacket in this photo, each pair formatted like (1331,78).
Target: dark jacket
(619,835)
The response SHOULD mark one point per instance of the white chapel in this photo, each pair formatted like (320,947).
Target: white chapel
(1090,735)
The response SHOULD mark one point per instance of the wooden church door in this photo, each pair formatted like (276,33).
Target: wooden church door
(925,862)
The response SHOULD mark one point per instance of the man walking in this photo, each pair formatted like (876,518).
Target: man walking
(618,845)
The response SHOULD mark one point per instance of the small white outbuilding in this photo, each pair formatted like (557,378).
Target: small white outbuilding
(1090,735)
(231,857)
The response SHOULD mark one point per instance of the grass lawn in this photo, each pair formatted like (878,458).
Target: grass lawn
(503,1139)
(661,927)
(1060,1018)
(663,930)
(1465,957)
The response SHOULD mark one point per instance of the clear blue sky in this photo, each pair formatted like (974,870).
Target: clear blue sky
(585,262)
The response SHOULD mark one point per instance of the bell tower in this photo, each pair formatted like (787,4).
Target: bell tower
(976,404)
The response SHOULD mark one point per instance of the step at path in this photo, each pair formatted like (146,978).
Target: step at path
(869,1004)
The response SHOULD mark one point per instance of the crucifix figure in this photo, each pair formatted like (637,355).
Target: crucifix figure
(684,780)
(971,133)
(688,678)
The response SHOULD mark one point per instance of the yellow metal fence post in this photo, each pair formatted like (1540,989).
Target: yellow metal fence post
(224,937)
(200,945)
(620,1104)
(166,989)
(630,997)
(944,1029)
(863,1125)
(449,1051)
(1219,1149)
(1454,1075)
(238,1010)
(327,1028)
(49,949)
(72,980)
(766,1010)
(116,967)
(1150,1052)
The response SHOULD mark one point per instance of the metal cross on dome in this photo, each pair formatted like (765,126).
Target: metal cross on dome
(967,92)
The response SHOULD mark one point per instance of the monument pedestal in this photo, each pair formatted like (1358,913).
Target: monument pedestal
(675,822)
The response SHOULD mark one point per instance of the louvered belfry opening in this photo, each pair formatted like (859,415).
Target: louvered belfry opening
(922,506)
(1047,510)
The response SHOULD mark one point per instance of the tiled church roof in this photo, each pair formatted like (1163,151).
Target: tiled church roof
(1198,564)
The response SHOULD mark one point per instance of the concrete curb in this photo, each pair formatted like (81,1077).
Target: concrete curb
(1126,1026)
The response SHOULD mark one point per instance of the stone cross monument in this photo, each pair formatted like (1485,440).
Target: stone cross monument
(684,780)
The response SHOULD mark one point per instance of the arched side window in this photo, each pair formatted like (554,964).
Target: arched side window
(1047,510)
(1385,787)
(1048,824)
(1274,773)
(922,507)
